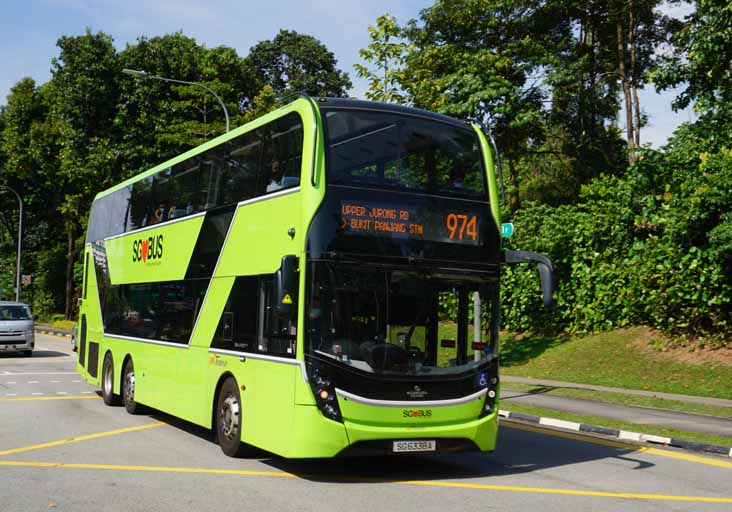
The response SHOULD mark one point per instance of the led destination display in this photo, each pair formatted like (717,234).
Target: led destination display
(410,222)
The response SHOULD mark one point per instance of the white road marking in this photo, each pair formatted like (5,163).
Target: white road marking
(32,382)
(55,381)
(10,382)
(76,381)
(61,393)
(37,394)
(11,394)
(86,392)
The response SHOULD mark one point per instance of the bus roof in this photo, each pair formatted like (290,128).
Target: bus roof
(389,107)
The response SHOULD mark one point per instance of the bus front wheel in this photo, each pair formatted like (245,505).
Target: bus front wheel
(108,381)
(229,420)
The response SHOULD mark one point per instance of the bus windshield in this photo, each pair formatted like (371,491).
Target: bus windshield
(397,322)
(388,150)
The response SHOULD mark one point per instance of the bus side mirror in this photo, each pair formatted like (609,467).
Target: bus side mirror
(546,270)
(286,286)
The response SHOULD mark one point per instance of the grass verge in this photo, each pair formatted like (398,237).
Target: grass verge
(621,399)
(620,358)
(621,425)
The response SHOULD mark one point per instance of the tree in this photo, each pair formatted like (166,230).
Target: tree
(702,62)
(83,98)
(482,59)
(293,62)
(388,59)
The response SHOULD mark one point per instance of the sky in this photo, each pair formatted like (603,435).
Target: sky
(29,30)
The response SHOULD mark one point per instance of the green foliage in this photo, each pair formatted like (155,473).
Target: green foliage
(91,126)
(653,247)
(293,62)
(388,59)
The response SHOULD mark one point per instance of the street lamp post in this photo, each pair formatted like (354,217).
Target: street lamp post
(20,233)
(145,76)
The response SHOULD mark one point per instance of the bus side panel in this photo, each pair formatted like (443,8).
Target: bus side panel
(259,236)
(271,420)
(91,311)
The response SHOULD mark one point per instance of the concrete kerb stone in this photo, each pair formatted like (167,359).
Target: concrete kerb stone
(54,332)
(619,434)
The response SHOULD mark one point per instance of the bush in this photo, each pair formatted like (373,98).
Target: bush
(653,247)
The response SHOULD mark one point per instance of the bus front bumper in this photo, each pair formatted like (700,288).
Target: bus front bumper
(317,436)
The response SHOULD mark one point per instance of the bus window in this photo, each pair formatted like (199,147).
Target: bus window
(277,334)
(238,326)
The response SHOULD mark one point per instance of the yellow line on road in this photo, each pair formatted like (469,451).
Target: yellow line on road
(81,438)
(623,446)
(543,490)
(423,483)
(35,398)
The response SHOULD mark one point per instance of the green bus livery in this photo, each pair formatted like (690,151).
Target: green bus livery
(321,281)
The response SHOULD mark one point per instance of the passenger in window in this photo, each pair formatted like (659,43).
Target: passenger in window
(161,214)
(275,182)
(458,177)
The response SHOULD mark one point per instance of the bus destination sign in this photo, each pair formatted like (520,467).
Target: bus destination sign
(410,222)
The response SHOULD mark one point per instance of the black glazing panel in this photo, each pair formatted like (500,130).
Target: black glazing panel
(82,341)
(93,358)
(331,233)
(402,388)
(210,241)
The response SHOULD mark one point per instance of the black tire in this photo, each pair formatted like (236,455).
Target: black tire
(108,381)
(27,353)
(128,389)
(229,420)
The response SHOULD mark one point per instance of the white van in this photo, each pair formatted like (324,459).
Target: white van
(16,328)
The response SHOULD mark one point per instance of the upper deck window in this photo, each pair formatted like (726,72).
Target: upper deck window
(378,149)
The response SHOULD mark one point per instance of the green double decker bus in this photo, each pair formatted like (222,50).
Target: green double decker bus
(321,281)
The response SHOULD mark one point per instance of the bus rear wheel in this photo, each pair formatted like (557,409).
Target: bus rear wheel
(128,389)
(108,381)
(229,420)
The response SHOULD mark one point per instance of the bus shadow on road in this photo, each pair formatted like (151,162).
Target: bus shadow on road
(518,452)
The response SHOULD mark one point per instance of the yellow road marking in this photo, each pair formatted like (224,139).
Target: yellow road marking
(81,438)
(424,483)
(33,398)
(624,446)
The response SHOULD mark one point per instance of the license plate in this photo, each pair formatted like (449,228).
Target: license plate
(414,446)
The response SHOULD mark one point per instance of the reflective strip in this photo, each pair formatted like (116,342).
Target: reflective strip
(151,342)
(421,403)
(263,357)
(159,225)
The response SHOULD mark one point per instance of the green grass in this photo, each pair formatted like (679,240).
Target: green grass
(620,425)
(611,359)
(63,324)
(621,399)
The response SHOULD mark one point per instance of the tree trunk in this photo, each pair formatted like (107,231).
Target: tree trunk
(70,258)
(514,200)
(626,84)
(634,73)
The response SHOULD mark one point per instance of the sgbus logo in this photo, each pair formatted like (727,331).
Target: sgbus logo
(148,249)
(419,413)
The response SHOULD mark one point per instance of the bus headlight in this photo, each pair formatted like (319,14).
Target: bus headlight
(325,397)
(490,397)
